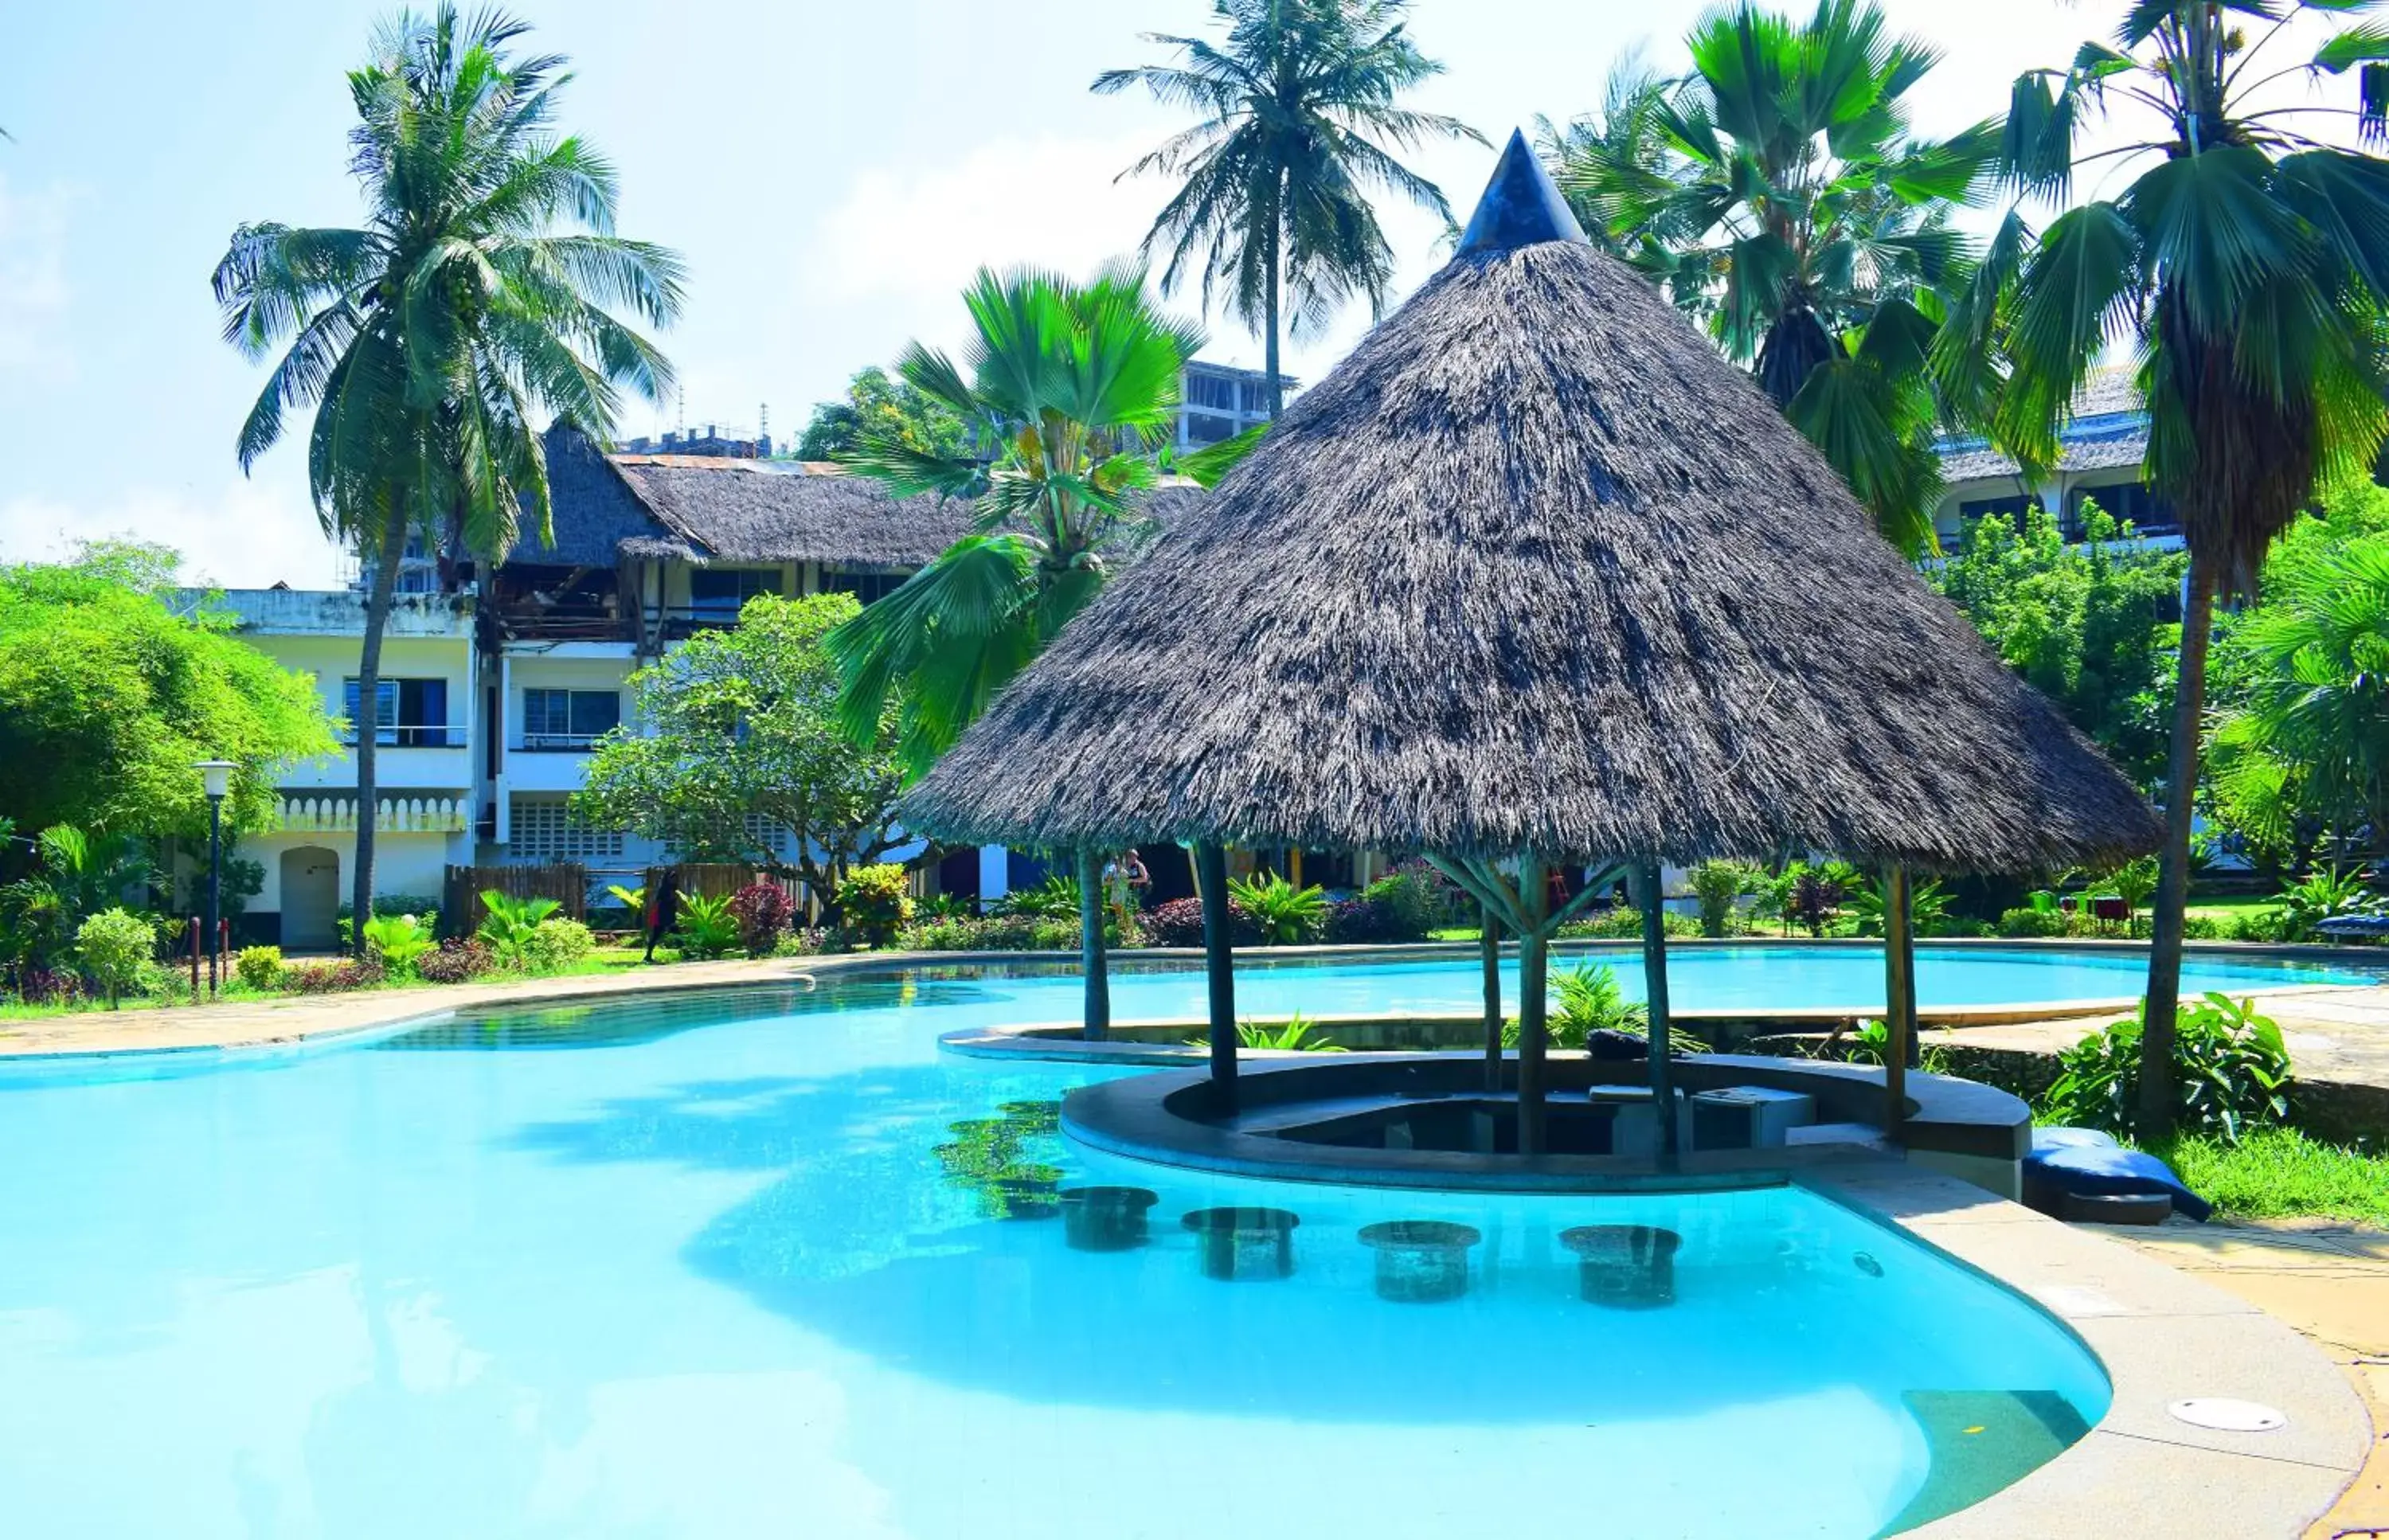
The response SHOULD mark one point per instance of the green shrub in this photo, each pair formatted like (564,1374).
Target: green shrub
(1718,884)
(2329,893)
(558,944)
(2233,1066)
(1408,902)
(873,903)
(706,928)
(2200,927)
(1287,915)
(113,947)
(259,967)
(2028,922)
(508,925)
(1590,1000)
(1623,923)
(397,941)
(1055,898)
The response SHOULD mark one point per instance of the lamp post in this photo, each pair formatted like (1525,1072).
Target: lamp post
(217,773)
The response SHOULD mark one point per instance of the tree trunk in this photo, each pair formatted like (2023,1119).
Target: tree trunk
(1534,1003)
(1269,342)
(381,586)
(1091,945)
(1898,994)
(2160,1086)
(1490,943)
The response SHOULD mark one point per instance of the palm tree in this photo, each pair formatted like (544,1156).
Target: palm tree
(426,338)
(1774,191)
(1297,109)
(2247,264)
(1075,388)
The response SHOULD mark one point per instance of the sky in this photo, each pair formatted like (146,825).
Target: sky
(832,174)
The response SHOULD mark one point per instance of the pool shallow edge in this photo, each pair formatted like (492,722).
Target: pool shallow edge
(2162,1336)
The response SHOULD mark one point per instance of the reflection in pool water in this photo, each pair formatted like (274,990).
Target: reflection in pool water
(632,1273)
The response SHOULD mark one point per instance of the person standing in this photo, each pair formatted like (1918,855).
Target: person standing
(663,908)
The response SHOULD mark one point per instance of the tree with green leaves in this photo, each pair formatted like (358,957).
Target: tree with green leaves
(2091,624)
(1078,384)
(1775,192)
(2247,264)
(740,755)
(427,340)
(880,405)
(113,687)
(2299,739)
(1299,120)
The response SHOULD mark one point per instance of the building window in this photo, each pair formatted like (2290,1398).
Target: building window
(1204,429)
(719,593)
(409,713)
(1210,391)
(542,829)
(2013,509)
(2126,503)
(568,718)
(867,587)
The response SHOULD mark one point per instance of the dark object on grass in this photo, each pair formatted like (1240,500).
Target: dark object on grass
(1624,1267)
(1421,1261)
(1240,1243)
(2067,1163)
(1105,1218)
(2375,925)
(1607,1046)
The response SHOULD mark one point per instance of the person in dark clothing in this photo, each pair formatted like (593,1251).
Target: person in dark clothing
(663,908)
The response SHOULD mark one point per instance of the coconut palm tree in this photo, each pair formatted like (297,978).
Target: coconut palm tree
(426,338)
(2247,264)
(1775,192)
(1297,108)
(1074,388)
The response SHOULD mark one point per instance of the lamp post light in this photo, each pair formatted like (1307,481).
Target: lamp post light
(217,773)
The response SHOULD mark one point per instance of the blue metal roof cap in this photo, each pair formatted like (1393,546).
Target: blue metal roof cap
(1521,206)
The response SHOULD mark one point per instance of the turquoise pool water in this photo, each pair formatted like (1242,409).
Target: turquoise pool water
(725,1267)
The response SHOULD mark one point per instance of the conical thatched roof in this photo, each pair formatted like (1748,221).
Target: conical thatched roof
(1534,569)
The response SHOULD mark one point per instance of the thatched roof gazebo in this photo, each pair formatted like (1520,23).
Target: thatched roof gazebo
(1534,575)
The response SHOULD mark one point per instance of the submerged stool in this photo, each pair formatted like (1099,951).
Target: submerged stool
(1025,1192)
(1421,1261)
(1105,1218)
(1624,1267)
(1243,1242)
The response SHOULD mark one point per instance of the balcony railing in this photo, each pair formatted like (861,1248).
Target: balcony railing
(414,735)
(334,814)
(558,743)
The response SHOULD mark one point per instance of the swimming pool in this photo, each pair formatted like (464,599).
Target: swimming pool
(731,1264)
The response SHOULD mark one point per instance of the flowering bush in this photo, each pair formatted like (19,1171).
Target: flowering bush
(1178,923)
(324,978)
(763,913)
(457,959)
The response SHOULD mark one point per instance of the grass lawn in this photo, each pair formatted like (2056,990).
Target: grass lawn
(2281,1174)
(2230,906)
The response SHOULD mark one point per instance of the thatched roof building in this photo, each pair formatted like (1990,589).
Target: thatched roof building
(1534,569)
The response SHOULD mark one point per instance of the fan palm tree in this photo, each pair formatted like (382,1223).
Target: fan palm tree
(1775,192)
(1075,388)
(426,338)
(2247,263)
(1296,110)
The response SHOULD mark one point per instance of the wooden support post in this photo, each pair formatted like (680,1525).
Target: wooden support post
(1098,1019)
(1655,984)
(1219,965)
(1898,993)
(1534,1002)
(1294,867)
(1490,946)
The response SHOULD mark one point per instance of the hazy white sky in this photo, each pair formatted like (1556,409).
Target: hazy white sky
(832,173)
